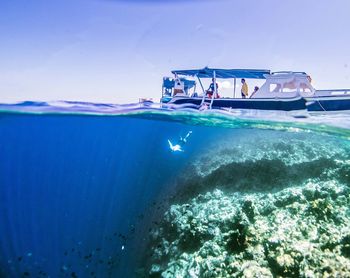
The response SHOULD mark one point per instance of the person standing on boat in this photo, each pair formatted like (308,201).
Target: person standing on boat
(244,89)
(211,90)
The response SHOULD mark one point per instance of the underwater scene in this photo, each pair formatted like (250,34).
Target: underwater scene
(96,190)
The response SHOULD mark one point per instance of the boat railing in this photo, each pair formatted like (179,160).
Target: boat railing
(288,72)
(336,92)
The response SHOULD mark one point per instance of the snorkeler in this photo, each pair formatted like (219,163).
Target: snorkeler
(175,148)
(180,143)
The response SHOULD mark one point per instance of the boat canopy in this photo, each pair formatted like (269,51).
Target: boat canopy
(224,73)
(169,83)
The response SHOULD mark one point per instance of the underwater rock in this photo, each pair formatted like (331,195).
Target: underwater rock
(288,148)
(300,231)
(267,165)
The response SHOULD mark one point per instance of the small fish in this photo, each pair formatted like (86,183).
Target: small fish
(64,268)
(122,236)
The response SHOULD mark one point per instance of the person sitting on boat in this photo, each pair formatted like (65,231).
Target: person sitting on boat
(309,78)
(244,89)
(306,86)
(179,86)
(211,90)
(256,88)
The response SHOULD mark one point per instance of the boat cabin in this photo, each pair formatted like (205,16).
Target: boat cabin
(177,87)
(285,84)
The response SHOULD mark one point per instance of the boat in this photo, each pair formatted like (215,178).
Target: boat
(281,91)
(177,90)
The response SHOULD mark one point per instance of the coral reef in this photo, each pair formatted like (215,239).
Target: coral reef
(299,231)
(265,206)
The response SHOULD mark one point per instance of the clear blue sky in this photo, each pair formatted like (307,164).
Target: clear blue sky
(118,51)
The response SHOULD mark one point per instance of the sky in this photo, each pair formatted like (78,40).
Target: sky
(118,51)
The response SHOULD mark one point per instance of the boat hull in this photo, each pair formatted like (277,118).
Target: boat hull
(328,104)
(288,104)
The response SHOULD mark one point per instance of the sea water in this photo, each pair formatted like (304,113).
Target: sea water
(93,190)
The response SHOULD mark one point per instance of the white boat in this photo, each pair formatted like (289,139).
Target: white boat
(282,91)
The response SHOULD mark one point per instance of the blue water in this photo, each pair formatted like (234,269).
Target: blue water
(81,184)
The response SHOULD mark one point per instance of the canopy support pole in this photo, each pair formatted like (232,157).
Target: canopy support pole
(215,93)
(200,82)
(161,98)
(234,88)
